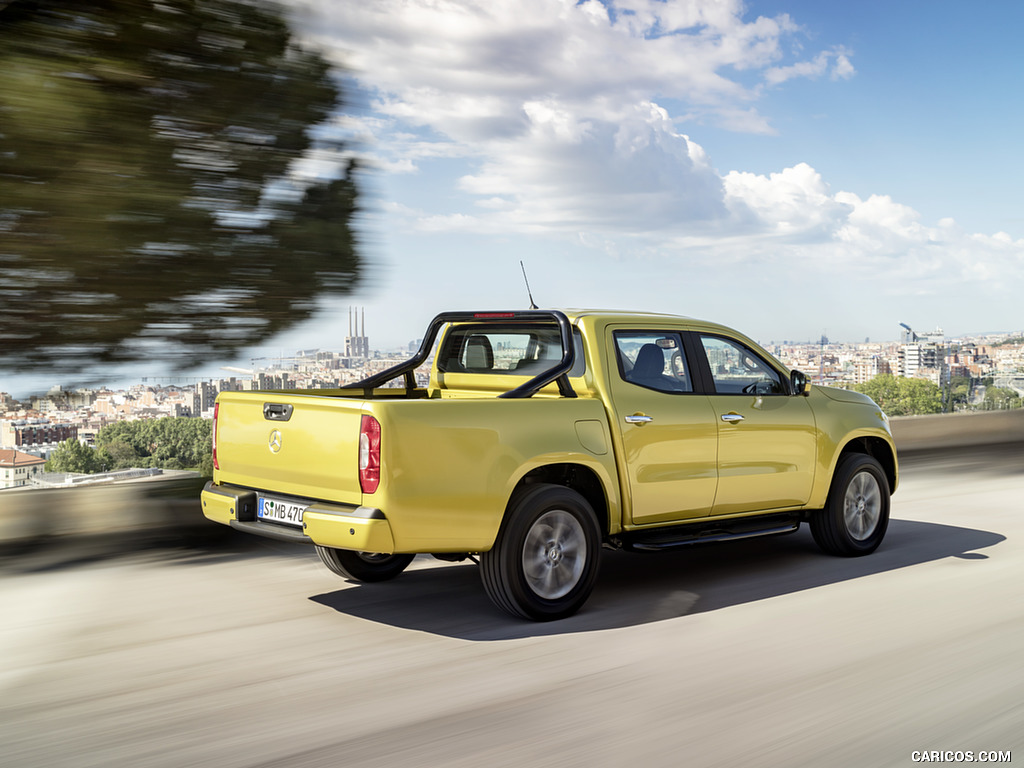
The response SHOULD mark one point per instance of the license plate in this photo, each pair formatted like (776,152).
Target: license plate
(278,511)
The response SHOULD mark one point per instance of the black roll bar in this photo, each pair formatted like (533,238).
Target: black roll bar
(559,372)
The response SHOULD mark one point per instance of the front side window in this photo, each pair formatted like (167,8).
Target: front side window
(653,360)
(736,370)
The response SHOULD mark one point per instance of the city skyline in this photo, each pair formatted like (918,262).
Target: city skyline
(789,351)
(786,168)
(28,385)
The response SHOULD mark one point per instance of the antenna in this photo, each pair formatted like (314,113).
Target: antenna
(526,280)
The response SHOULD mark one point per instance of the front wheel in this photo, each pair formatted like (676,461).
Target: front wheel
(856,514)
(544,562)
(363,566)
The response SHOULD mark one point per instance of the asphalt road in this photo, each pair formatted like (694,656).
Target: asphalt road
(758,653)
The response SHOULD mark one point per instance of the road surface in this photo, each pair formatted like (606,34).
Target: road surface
(758,653)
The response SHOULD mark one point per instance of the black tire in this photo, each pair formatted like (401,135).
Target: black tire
(545,559)
(363,566)
(856,515)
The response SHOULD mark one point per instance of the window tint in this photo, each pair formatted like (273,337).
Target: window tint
(736,370)
(653,360)
(506,350)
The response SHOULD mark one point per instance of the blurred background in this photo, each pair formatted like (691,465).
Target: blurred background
(198,195)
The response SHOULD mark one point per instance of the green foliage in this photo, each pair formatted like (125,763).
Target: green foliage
(899,396)
(172,443)
(143,144)
(959,390)
(73,456)
(1000,398)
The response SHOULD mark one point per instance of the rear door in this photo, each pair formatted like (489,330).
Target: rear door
(669,433)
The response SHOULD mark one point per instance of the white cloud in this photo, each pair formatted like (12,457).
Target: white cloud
(467,68)
(841,68)
(568,120)
(557,103)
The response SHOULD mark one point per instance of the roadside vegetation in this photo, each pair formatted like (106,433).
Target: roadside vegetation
(899,396)
(172,443)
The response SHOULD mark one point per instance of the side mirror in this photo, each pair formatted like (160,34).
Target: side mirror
(799,383)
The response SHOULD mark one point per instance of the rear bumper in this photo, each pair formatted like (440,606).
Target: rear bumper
(340,526)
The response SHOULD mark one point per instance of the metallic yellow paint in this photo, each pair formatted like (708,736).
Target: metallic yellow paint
(345,532)
(219,508)
(453,455)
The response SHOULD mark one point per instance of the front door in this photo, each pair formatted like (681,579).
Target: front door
(669,433)
(766,436)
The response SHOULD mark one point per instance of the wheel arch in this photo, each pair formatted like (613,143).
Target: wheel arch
(880,450)
(578,477)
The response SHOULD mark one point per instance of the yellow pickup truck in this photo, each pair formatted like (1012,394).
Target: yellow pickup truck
(543,436)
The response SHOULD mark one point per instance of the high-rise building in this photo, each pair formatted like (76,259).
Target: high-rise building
(918,356)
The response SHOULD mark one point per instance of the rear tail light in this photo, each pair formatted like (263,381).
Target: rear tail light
(369,454)
(216,411)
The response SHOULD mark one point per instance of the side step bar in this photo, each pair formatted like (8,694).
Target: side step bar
(708,531)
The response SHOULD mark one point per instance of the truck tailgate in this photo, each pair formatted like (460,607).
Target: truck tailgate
(313,453)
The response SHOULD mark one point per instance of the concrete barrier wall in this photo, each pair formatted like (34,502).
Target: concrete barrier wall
(152,510)
(168,509)
(957,430)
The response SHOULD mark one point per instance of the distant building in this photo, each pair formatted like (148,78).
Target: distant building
(22,433)
(16,468)
(865,370)
(357,343)
(916,357)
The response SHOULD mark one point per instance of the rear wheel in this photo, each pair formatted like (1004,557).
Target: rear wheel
(363,566)
(544,562)
(856,514)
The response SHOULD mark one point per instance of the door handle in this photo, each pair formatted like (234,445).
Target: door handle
(639,418)
(731,418)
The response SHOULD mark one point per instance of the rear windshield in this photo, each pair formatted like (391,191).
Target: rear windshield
(515,350)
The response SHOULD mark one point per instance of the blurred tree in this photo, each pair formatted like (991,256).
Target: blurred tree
(73,456)
(1000,398)
(898,396)
(171,443)
(146,207)
(960,390)
(119,454)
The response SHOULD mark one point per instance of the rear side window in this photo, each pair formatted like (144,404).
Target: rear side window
(506,350)
(653,360)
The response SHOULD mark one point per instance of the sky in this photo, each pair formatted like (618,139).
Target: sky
(789,168)
(786,168)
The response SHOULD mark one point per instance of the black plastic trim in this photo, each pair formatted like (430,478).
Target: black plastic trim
(363,513)
(707,531)
(559,372)
(271,531)
(277,411)
(246,497)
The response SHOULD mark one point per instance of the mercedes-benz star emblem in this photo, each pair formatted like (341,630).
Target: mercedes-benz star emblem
(275,441)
